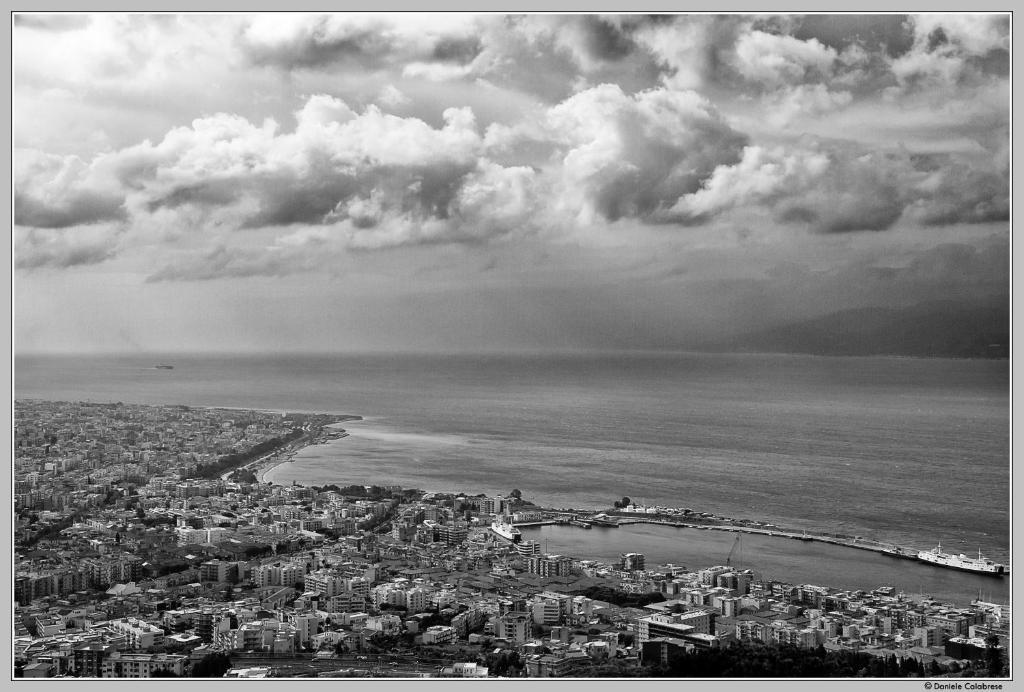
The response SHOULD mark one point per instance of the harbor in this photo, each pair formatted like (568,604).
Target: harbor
(980,565)
(771,556)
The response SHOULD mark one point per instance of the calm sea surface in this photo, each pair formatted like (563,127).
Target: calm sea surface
(912,451)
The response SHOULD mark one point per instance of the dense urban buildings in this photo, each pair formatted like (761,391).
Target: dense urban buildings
(146,545)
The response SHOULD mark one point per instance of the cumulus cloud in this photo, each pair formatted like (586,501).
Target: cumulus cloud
(372,41)
(435,72)
(837,187)
(773,60)
(552,56)
(279,178)
(37,248)
(803,101)
(692,50)
(951,49)
(382,180)
(392,97)
(762,175)
(60,191)
(617,155)
(956,191)
(593,41)
(618,122)
(491,201)
(372,179)
(630,156)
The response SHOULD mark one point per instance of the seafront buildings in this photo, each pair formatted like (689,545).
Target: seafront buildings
(139,551)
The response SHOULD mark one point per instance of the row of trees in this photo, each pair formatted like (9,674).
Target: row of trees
(756,660)
(373,492)
(623,599)
(259,449)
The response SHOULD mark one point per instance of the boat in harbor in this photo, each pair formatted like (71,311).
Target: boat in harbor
(506,530)
(898,551)
(978,565)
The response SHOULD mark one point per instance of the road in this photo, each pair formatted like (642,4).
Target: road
(303,665)
(291,446)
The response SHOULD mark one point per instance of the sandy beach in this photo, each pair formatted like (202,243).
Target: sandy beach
(269,465)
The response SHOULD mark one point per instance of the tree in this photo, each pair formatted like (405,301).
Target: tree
(625,502)
(212,666)
(993,655)
(516,493)
(140,512)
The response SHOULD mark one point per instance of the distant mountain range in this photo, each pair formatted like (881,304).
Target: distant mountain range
(943,329)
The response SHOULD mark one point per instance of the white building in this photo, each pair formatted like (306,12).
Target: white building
(439,634)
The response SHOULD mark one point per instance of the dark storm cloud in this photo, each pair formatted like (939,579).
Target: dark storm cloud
(864,193)
(317,47)
(692,117)
(326,195)
(961,193)
(839,187)
(457,50)
(296,201)
(75,208)
(552,56)
(212,194)
(605,41)
(628,156)
(373,43)
(62,191)
(892,34)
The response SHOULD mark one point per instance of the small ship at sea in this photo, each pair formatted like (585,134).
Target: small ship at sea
(164,367)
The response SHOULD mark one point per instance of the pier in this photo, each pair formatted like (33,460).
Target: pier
(587,520)
(855,542)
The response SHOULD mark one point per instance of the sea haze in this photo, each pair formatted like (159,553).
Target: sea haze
(906,450)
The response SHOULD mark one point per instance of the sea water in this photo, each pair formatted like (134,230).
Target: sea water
(903,450)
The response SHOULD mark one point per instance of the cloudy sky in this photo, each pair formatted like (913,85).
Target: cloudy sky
(491,182)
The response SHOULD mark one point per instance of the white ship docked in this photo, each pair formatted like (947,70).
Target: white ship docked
(978,565)
(506,530)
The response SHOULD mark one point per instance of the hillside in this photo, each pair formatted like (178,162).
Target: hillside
(935,329)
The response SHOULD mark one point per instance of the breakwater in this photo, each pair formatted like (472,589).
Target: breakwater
(772,556)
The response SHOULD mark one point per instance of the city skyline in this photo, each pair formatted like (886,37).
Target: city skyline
(278,182)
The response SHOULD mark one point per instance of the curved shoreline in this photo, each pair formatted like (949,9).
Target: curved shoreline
(336,433)
(713,522)
(261,476)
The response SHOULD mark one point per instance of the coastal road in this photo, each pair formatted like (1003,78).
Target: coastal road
(251,464)
(290,447)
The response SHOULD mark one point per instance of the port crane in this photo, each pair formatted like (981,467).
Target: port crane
(738,544)
(735,544)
